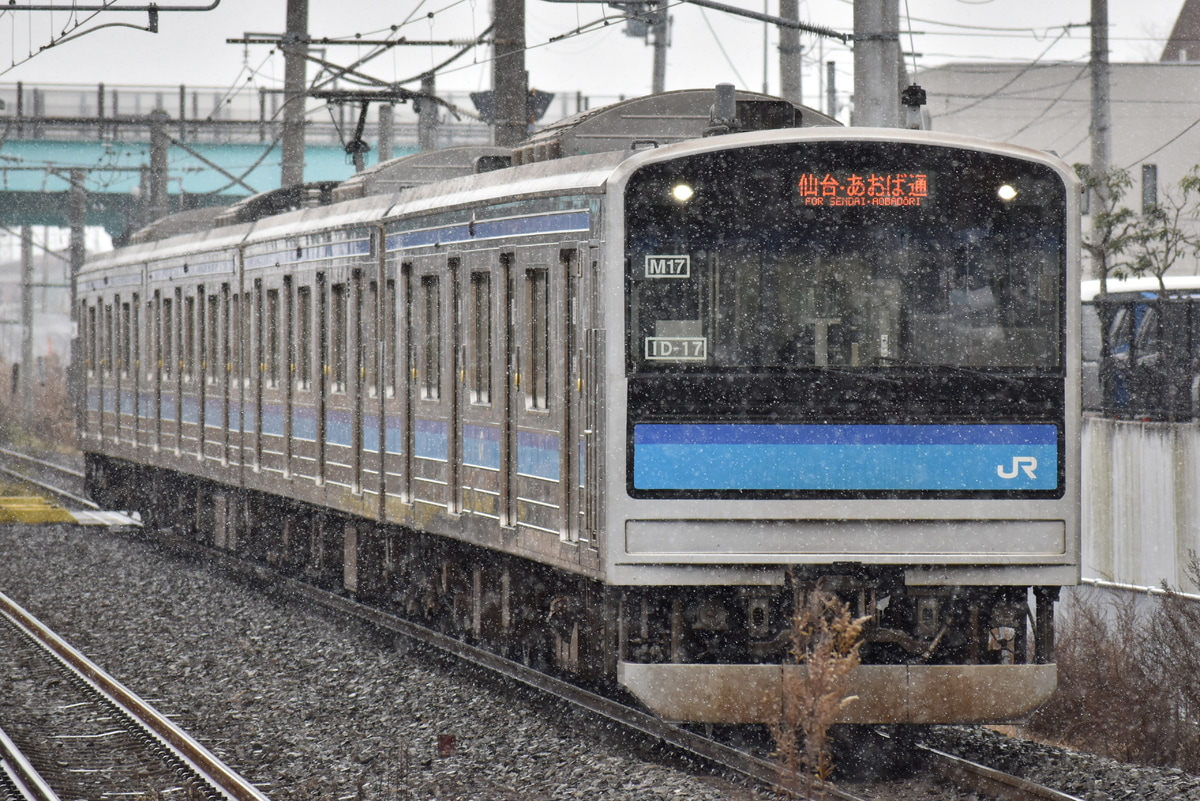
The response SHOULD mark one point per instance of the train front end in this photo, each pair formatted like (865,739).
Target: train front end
(849,362)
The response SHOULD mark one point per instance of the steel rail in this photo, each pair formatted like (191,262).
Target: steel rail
(987,781)
(23,776)
(696,745)
(41,462)
(59,491)
(227,783)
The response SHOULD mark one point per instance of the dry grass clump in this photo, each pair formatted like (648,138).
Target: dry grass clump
(826,641)
(1129,679)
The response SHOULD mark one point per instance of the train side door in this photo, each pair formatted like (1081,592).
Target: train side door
(482,378)
(539,362)
(373,349)
(398,401)
(433,335)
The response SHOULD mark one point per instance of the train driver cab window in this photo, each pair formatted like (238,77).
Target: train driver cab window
(851,256)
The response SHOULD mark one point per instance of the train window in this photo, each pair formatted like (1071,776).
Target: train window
(91,339)
(872,255)
(212,358)
(481,338)
(234,321)
(304,337)
(389,339)
(537,386)
(189,339)
(431,341)
(288,346)
(152,352)
(369,343)
(339,307)
(247,344)
(272,333)
(108,339)
(135,332)
(167,341)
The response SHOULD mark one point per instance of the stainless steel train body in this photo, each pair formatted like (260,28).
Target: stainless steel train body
(613,412)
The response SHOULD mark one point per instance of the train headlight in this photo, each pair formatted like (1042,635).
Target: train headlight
(1007,192)
(682,192)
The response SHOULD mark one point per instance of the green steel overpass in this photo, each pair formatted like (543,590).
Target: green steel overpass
(219,148)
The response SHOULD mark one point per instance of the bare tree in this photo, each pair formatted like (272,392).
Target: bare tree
(1164,236)
(1115,227)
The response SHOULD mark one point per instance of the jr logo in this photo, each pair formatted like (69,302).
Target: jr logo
(1026,463)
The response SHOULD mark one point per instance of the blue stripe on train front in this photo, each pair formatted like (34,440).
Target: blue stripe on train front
(850,457)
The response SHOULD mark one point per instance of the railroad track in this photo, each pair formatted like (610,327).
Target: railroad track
(90,736)
(42,467)
(968,776)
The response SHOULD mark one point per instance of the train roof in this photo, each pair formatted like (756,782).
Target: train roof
(419,169)
(657,120)
(621,128)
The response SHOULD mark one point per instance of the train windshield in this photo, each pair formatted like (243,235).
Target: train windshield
(845,255)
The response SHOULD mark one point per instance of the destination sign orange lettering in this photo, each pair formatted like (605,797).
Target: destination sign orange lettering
(863,189)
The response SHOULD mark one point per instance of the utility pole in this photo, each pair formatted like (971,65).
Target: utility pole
(831,88)
(510,82)
(77,219)
(790,54)
(427,119)
(159,173)
(1101,128)
(876,63)
(295,86)
(662,37)
(26,376)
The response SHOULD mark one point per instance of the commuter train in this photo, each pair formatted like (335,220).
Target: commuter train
(609,402)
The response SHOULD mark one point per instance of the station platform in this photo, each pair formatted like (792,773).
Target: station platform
(33,509)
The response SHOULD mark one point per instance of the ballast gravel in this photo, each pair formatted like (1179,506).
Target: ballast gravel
(309,706)
(1082,775)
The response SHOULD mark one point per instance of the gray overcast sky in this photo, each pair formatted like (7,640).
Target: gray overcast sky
(708,46)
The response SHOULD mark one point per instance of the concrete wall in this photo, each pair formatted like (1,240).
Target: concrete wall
(1141,501)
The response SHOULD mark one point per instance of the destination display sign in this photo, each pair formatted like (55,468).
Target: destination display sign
(867,188)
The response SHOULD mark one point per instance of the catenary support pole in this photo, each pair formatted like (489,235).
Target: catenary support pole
(876,63)
(295,84)
(510,82)
(790,54)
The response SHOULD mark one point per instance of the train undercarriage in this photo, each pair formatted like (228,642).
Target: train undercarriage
(715,654)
